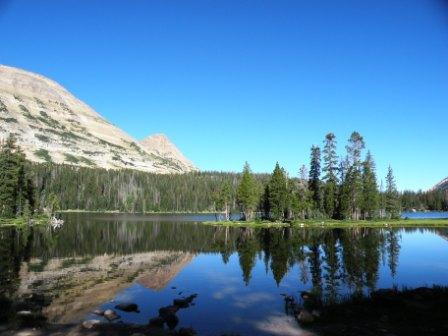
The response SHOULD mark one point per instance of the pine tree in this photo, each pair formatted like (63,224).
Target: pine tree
(222,198)
(343,203)
(370,195)
(301,202)
(353,176)
(247,193)
(314,178)
(8,178)
(16,188)
(392,198)
(330,175)
(278,194)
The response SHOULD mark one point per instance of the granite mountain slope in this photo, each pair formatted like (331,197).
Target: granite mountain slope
(50,124)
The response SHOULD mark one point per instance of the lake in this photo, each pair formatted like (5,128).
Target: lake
(238,276)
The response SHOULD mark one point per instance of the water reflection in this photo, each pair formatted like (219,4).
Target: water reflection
(94,257)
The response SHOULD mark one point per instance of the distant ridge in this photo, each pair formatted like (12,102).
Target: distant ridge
(51,125)
(442,185)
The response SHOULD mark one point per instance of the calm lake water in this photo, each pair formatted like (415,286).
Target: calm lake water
(425,215)
(96,261)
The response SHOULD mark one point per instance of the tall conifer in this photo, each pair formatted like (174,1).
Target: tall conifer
(330,175)
(247,193)
(392,198)
(314,183)
(278,194)
(370,195)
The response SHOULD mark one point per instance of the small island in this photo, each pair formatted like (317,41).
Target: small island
(332,193)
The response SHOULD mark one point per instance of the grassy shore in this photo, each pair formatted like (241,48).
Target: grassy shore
(328,223)
(138,213)
(39,220)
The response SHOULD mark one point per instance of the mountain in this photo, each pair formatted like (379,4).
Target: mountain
(51,125)
(442,185)
(161,146)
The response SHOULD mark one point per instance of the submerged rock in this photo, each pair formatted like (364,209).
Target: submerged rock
(89,324)
(128,307)
(98,312)
(111,315)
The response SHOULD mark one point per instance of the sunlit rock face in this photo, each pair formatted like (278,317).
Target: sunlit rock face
(73,287)
(50,124)
(442,185)
(160,145)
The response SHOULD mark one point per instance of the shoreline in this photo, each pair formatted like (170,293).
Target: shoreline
(333,224)
(22,221)
(139,213)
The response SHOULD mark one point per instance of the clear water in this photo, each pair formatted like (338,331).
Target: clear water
(98,260)
(425,215)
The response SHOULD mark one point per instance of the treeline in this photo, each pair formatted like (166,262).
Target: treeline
(432,200)
(332,187)
(130,190)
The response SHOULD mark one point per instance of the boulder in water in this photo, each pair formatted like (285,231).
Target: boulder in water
(128,307)
(90,324)
(111,315)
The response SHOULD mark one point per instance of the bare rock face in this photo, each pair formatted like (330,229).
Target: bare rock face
(51,125)
(159,145)
(442,185)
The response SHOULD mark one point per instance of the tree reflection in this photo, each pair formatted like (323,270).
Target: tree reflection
(325,259)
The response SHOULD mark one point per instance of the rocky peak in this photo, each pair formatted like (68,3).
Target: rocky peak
(160,145)
(51,125)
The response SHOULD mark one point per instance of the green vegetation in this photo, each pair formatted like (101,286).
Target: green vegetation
(96,189)
(3,107)
(39,102)
(16,187)
(392,205)
(42,137)
(9,120)
(27,113)
(276,195)
(71,158)
(23,108)
(110,144)
(433,200)
(330,179)
(348,190)
(222,198)
(247,193)
(334,223)
(49,121)
(35,220)
(86,161)
(43,154)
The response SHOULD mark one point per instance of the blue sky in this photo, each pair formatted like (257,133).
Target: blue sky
(229,81)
